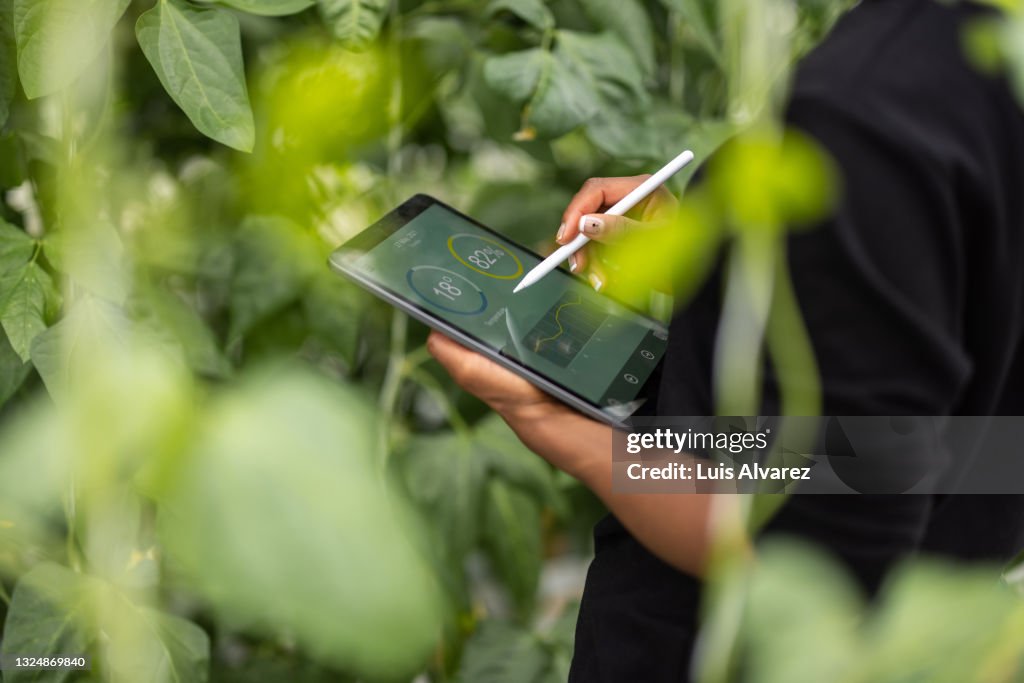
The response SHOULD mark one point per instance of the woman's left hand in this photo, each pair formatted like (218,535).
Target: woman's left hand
(547,426)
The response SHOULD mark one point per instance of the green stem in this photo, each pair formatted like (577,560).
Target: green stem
(433,386)
(392,384)
(748,296)
(4,595)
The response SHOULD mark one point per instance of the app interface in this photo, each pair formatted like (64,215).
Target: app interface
(586,342)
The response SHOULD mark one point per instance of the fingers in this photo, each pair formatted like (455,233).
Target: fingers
(473,372)
(455,357)
(604,228)
(595,195)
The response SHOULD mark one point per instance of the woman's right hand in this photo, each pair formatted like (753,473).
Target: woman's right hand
(584,211)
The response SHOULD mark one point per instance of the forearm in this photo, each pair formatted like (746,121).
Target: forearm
(672,526)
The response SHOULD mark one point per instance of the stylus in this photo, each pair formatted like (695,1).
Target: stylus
(622,206)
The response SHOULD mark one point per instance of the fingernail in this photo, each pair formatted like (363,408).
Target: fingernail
(561,231)
(573,265)
(592,225)
(596,282)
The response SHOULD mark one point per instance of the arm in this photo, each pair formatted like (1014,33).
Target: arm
(673,527)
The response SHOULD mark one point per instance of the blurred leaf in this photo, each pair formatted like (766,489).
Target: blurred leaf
(354,22)
(49,615)
(512,536)
(928,625)
(178,322)
(91,324)
(92,257)
(502,653)
(8,59)
(24,293)
(333,309)
(270,8)
(275,260)
(765,181)
(197,54)
(16,248)
(59,39)
(148,645)
(627,19)
(13,370)
(820,606)
(533,12)
(281,497)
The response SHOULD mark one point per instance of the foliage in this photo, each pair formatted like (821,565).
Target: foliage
(219,460)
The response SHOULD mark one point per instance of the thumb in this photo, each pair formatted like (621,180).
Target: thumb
(603,227)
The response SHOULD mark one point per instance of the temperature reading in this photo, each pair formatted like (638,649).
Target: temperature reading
(446,289)
(484,258)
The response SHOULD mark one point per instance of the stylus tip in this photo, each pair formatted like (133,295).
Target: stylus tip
(521,285)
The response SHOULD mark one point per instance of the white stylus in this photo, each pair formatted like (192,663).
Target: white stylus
(620,207)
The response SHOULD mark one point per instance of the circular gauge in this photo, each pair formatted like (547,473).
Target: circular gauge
(446,290)
(485,256)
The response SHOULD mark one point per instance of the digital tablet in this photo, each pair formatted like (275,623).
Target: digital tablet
(456,275)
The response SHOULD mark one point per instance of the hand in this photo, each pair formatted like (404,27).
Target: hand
(547,426)
(599,194)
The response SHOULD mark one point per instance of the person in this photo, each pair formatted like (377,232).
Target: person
(913,295)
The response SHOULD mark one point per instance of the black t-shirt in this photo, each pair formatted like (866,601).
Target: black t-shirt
(913,295)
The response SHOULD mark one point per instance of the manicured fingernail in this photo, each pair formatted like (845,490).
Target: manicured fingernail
(592,226)
(561,231)
(596,282)
(573,265)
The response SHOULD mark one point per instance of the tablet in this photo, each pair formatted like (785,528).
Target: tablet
(456,275)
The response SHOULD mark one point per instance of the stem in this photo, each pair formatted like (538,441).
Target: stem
(748,296)
(4,595)
(430,384)
(392,384)
(677,72)
(71,519)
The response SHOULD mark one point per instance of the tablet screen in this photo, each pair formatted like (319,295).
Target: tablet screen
(560,327)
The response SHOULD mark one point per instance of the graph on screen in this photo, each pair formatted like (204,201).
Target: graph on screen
(565,329)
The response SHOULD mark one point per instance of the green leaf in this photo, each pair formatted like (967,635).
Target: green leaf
(502,653)
(629,20)
(268,8)
(24,296)
(354,22)
(70,344)
(13,370)
(445,475)
(49,615)
(533,12)
(197,55)
(16,248)
(159,647)
(695,19)
(508,459)
(8,59)
(58,39)
(170,318)
(92,257)
(280,518)
(275,260)
(569,86)
(512,536)
(333,310)
(55,611)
